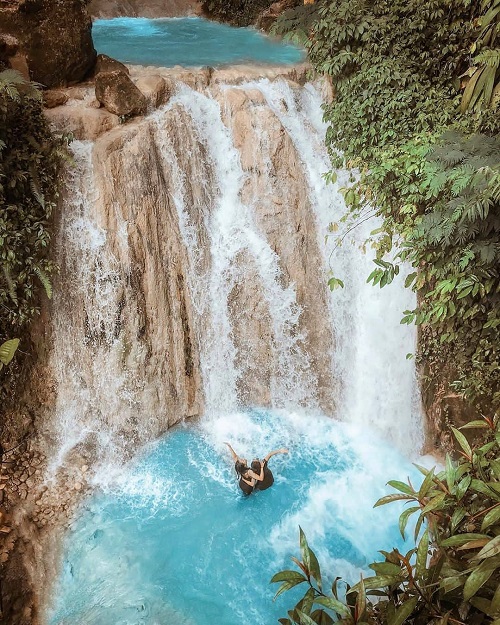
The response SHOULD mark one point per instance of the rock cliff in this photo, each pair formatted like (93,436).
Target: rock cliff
(138,8)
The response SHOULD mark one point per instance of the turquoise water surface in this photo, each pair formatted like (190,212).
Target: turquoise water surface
(170,540)
(189,41)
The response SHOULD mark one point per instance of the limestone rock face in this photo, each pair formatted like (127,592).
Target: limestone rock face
(156,89)
(53,98)
(139,8)
(54,37)
(118,94)
(136,248)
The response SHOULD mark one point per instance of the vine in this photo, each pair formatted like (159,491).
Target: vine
(30,157)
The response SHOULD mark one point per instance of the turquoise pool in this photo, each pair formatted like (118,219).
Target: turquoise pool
(188,42)
(170,540)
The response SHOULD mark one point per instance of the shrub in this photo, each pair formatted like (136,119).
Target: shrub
(451,575)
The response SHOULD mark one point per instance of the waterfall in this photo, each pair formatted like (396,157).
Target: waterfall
(369,357)
(194,266)
(194,275)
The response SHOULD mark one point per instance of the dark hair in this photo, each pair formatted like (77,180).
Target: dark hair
(240,467)
(256,465)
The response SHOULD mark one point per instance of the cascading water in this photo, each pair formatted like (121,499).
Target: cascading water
(203,251)
(238,252)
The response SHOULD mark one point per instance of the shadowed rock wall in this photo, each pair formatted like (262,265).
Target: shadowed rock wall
(138,8)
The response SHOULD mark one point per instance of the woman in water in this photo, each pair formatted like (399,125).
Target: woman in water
(250,480)
(268,479)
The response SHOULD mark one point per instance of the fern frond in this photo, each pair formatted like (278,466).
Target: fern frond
(11,287)
(35,188)
(44,279)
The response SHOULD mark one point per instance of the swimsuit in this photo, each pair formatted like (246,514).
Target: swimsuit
(268,479)
(246,488)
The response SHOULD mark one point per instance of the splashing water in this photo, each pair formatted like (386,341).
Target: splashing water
(176,542)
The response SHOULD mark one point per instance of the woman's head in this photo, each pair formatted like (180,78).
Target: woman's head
(256,465)
(241,467)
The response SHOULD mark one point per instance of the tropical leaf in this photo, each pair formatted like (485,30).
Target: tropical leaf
(7,350)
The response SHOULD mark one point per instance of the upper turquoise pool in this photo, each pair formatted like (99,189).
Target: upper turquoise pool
(188,42)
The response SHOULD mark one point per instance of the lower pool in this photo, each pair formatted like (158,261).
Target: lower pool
(189,41)
(170,540)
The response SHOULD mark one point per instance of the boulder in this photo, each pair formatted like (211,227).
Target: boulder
(118,94)
(54,98)
(105,63)
(53,36)
(156,89)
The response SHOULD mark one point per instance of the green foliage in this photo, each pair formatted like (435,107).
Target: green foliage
(484,76)
(7,351)
(430,171)
(451,232)
(451,575)
(295,24)
(29,164)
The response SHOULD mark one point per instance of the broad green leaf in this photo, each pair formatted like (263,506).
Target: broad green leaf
(490,489)
(448,584)
(474,425)
(473,544)
(401,486)
(403,519)
(315,568)
(335,605)
(305,551)
(386,568)
(477,579)
(305,619)
(379,581)
(389,498)
(456,517)
(491,517)
(418,525)
(404,611)
(434,503)
(286,586)
(450,472)
(462,441)
(321,617)
(422,549)
(495,602)
(305,604)
(287,576)
(334,587)
(7,350)
(492,548)
(422,469)
(461,539)
(361,600)
(462,487)
(482,604)
(426,485)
